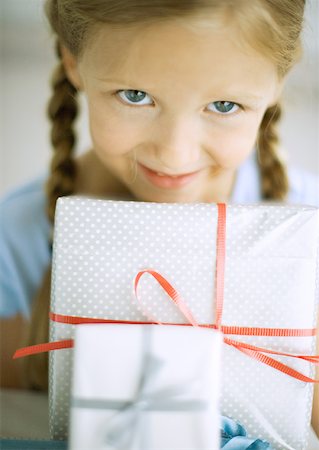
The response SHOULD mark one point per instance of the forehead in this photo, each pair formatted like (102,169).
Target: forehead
(194,53)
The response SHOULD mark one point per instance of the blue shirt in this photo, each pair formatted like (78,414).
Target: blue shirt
(25,231)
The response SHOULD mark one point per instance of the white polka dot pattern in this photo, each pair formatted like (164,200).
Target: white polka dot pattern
(270,279)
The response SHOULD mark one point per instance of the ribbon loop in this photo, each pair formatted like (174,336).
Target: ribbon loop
(171,292)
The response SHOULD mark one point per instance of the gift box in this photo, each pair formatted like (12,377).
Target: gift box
(145,387)
(269,290)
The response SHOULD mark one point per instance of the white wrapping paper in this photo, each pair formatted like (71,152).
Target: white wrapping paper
(270,281)
(170,374)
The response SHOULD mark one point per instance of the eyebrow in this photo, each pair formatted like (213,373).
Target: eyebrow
(112,80)
(240,98)
(249,99)
(256,98)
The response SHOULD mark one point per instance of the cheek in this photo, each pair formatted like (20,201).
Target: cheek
(109,134)
(230,147)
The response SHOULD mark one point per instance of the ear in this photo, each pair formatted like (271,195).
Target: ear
(71,67)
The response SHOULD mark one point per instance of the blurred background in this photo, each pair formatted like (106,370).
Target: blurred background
(26,62)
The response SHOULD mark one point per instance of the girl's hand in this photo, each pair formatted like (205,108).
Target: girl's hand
(12,334)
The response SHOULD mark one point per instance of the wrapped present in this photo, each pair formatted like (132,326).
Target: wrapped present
(267,278)
(145,387)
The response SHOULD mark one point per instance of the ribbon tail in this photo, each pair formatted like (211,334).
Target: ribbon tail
(309,358)
(313,359)
(120,429)
(277,365)
(42,348)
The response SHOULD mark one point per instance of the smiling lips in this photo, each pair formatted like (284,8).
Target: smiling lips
(167,181)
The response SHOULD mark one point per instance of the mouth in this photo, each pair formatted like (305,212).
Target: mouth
(168,181)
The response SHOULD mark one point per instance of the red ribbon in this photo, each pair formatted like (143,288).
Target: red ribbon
(250,350)
(258,353)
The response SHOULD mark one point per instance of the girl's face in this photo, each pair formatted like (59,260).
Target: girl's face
(174,110)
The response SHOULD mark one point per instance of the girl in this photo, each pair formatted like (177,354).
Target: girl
(183,100)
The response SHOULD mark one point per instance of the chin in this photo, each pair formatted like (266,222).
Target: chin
(167,197)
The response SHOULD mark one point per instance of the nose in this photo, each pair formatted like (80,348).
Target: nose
(178,145)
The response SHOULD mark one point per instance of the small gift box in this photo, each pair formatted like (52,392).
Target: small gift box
(267,274)
(146,387)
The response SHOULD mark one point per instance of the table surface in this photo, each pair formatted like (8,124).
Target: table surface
(24,415)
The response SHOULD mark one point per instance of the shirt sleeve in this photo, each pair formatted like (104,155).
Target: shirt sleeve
(304,187)
(24,244)
(12,298)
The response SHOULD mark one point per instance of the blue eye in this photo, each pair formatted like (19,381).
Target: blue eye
(223,107)
(132,97)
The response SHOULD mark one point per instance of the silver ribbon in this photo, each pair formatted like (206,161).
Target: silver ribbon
(127,421)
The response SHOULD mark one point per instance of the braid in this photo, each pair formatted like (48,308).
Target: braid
(62,111)
(274,178)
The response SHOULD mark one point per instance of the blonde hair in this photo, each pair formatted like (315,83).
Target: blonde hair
(272,27)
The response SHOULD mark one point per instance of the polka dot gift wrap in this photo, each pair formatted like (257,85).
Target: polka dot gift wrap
(271,281)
